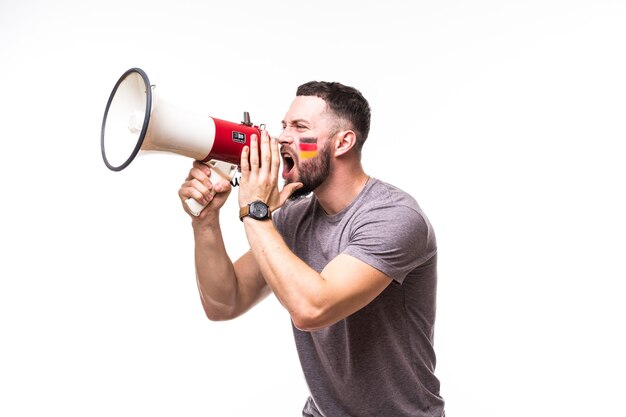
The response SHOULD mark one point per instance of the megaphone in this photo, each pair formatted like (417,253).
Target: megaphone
(136,119)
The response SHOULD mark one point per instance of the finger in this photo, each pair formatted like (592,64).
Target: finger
(199,174)
(223,186)
(275,166)
(202,167)
(266,152)
(254,152)
(219,183)
(196,191)
(204,188)
(245,163)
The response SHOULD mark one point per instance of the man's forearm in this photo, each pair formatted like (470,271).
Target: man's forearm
(217,281)
(299,288)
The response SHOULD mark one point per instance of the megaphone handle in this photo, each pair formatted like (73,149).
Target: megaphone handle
(219,169)
(194,207)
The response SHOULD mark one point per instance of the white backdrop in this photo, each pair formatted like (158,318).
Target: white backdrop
(506,120)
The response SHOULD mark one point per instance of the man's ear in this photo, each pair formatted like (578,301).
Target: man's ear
(344,141)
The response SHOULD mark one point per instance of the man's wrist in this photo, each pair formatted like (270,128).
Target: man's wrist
(257,210)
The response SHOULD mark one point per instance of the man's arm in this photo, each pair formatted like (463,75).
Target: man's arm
(314,300)
(227,290)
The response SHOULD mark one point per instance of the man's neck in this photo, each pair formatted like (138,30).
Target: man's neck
(340,189)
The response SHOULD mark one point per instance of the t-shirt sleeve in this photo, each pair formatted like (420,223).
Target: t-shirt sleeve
(395,240)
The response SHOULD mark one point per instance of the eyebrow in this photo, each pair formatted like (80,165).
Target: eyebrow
(295,121)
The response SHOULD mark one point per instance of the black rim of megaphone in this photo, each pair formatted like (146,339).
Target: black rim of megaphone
(145,121)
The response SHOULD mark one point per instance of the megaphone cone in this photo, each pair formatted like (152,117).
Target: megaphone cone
(136,119)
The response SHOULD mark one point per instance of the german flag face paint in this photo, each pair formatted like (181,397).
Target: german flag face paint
(308,148)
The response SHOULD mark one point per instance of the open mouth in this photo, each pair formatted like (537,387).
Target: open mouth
(288,163)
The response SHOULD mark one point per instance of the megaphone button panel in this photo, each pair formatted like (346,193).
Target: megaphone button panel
(230,138)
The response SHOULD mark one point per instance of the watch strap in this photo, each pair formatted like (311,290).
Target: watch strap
(244,211)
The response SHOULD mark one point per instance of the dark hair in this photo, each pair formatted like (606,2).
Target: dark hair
(346,102)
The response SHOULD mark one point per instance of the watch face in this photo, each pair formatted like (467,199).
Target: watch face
(258,210)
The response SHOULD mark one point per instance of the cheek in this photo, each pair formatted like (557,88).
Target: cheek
(307,148)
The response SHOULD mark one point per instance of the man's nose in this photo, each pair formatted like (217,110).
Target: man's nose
(285,138)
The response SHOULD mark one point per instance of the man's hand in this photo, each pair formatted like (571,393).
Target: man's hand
(259,175)
(200,186)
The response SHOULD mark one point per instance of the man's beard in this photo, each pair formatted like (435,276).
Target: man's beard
(317,169)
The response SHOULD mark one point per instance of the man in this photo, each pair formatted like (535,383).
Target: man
(354,264)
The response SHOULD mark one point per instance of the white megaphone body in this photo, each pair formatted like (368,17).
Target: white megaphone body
(136,120)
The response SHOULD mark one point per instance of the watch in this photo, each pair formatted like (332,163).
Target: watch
(258,210)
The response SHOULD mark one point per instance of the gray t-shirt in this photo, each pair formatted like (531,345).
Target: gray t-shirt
(380,360)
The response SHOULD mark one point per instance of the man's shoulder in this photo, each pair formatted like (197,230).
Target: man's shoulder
(393,210)
(384,194)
